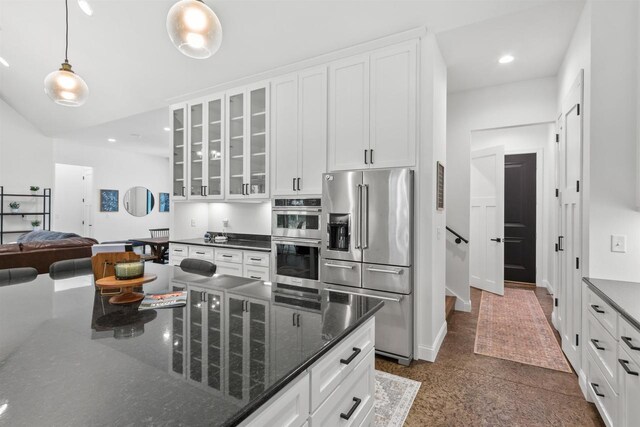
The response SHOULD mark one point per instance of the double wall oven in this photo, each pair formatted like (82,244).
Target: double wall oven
(296,238)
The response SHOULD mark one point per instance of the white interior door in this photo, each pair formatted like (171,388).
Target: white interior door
(87,197)
(487,220)
(569,242)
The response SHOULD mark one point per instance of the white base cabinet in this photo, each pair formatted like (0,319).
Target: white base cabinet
(348,402)
(233,262)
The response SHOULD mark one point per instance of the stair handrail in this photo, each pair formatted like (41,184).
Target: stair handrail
(459,238)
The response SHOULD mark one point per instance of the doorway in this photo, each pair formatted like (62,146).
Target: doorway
(73,199)
(520,194)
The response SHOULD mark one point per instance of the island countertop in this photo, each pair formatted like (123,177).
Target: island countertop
(623,296)
(68,357)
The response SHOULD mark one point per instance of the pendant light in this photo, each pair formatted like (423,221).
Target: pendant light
(63,86)
(194,29)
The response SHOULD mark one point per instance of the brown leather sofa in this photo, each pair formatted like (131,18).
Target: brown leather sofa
(41,254)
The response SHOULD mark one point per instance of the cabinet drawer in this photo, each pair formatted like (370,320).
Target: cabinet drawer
(288,408)
(352,400)
(333,368)
(256,258)
(229,268)
(226,255)
(179,250)
(387,278)
(606,315)
(258,273)
(630,339)
(601,393)
(341,272)
(604,349)
(629,390)
(201,252)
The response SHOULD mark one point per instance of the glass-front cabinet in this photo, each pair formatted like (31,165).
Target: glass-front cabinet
(215,150)
(248,143)
(196,147)
(179,156)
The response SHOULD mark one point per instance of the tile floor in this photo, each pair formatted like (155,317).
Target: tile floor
(465,389)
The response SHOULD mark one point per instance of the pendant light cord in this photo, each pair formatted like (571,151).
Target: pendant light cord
(66,40)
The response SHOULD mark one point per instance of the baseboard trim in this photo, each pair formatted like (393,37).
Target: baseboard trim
(546,284)
(461,304)
(429,353)
(554,320)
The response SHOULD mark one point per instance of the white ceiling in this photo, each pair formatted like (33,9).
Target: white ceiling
(124,54)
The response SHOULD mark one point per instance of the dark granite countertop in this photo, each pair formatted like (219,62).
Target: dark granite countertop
(68,357)
(244,244)
(622,296)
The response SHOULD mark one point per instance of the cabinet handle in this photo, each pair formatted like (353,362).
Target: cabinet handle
(183,188)
(227,256)
(624,364)
(560,243)
(371,156)
(255,259)
(595,344)
(365,157)
(200,253)
(247,191)
(380,270)
(254,277)
(596,308)
(298,320)
(293,184)
(298,184)
(346,267)
(352,410)
(205,190)
(627,341)
(595,386)
(293,319)
(356,352)
(203,296)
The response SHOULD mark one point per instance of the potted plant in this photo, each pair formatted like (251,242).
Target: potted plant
(15,207)
(34,189)
(36,224)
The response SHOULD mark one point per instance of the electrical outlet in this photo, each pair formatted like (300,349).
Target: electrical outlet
(193,222)
(225,222)
(618,243)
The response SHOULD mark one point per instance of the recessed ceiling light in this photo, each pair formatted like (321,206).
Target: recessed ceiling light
(167,129)
(111,140)
(86,7)
(4,62)
(506,59)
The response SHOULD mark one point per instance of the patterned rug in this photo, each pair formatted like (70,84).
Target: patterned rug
(514,327)
(394,398)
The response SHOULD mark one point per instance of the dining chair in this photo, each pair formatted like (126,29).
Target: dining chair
(14,276)
(159,232)
(70,268)
(198,266)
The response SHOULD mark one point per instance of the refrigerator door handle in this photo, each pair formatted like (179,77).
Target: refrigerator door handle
(365,216)
(380,270)
(356,227)
(340,291)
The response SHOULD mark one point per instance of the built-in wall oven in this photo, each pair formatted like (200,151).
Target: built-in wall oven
(295,244)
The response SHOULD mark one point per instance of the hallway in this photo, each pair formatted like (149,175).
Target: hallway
(465,389)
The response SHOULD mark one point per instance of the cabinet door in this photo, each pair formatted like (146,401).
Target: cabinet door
(393,106)
(257,350)
(286,340)
(195,365)
(235,145)
(284,131)
(257,147)
(215,340)
(312,154)
(197,148)
(178,315)
(235,347)
(629,384)
(348,113)
(215,153)
(178,143)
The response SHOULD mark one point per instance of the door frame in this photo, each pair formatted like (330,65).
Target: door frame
(540,230)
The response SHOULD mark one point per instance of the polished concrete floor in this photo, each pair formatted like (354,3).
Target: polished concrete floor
(465,389)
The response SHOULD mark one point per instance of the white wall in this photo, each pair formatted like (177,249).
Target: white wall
(119,170)
(514,104)
(529,139)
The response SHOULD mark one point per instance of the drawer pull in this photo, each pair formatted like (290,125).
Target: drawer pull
(356,351)
(625,364)
(627,341)
(231,256)
(380,270)
(254,277)
(595,344)
(177,250)
(200,253)
(595,386)
(596,308)
(352,410)
(255,259)
(346,267)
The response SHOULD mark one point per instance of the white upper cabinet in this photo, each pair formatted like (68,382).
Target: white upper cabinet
(393,107)
(179,155)
(299,132)
(348,113)
(197,145)
(372,109)
(248,143)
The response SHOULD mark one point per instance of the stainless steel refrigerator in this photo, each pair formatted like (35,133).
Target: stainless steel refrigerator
(367,248)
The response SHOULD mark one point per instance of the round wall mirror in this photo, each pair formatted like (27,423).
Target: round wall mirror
(138,201)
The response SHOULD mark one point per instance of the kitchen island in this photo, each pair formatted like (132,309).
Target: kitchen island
(237,354)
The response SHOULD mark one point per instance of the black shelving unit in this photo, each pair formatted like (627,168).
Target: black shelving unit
(44,213)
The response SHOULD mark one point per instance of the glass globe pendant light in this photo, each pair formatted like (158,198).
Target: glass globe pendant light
(194,29)
(63,86)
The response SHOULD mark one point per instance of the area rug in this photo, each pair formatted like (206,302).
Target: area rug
(394,398)
(514,327)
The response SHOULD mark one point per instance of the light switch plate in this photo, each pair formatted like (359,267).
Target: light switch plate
(193,222)
(618,243)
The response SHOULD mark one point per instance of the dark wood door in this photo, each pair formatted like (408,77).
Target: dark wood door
(520,218)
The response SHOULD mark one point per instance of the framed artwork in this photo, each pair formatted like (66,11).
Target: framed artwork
(164,202)
(440,187)
(109,200)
